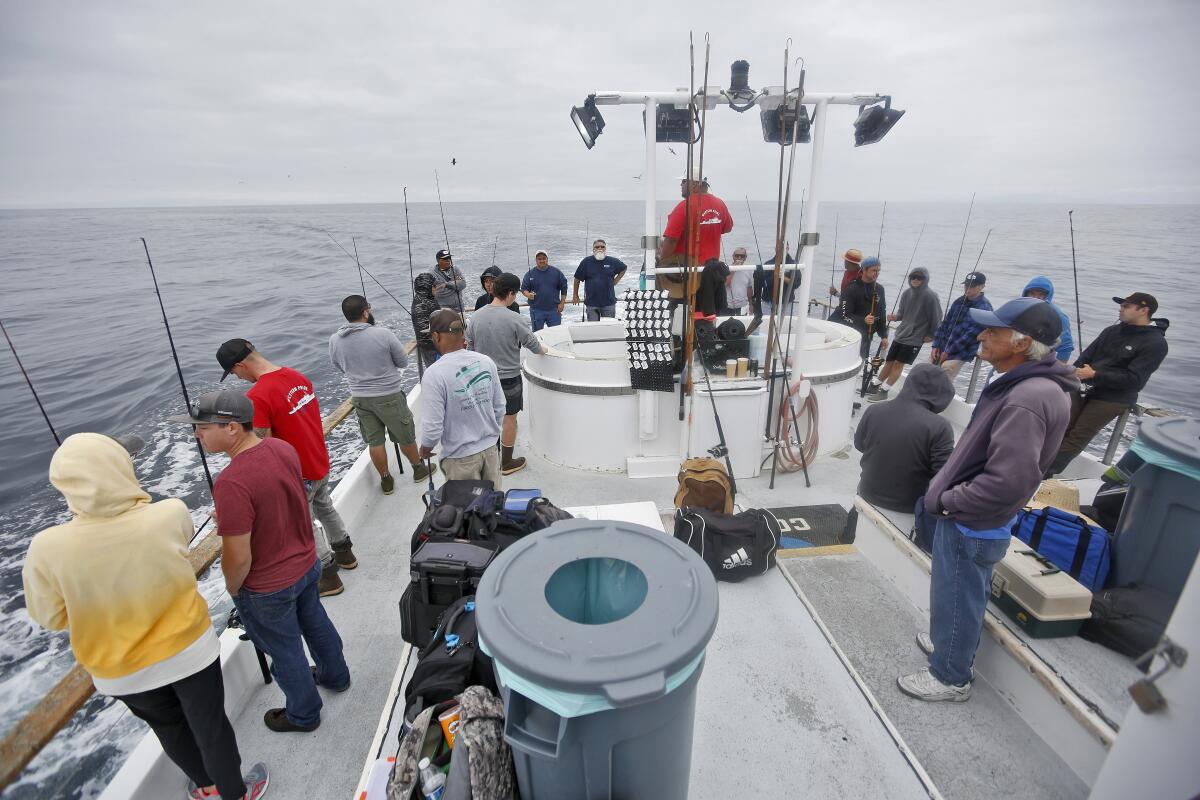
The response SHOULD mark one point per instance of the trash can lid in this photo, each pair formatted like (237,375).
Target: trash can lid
(629,659)
(1178,438)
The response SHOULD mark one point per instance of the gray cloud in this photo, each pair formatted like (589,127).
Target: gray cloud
(272,102)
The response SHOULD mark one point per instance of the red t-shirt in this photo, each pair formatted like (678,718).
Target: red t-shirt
(849,275)
(285,402)
(715,220)
(261,491)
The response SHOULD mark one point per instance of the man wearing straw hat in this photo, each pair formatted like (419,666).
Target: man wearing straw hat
(851,269)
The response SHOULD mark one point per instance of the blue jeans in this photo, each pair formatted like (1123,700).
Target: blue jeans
(544,319)
(280,623)
(958,596)
(596,312)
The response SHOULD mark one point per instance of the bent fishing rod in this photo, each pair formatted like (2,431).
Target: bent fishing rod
(187,402)
(1075,274)
(354,242)
(29,383)
(412,282)
(368,272)
(453,267)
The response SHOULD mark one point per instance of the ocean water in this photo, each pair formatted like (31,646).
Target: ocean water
(80,306)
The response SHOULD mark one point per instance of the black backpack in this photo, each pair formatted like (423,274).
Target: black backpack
(441,573)
(1129,620)
(450,663)
(735,546)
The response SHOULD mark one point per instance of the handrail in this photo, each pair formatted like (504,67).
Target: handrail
(52,713)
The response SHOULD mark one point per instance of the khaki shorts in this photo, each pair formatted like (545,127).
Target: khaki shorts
(482,466)
(387,414)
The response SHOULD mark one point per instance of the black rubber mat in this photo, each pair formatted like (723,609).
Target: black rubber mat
(812,526)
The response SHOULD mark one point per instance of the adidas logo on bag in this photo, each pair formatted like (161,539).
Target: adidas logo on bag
(739,558)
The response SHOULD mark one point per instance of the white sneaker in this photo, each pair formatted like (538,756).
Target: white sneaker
(925,642)
(923,686)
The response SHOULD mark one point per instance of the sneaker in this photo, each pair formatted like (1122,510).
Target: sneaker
(256,781)
(194,792)
(330,584)
(277,720)
(512,465)
(344,556)
(923,686)
(925,642)
(421,472)
(387,483)
(877,393)
(330,688)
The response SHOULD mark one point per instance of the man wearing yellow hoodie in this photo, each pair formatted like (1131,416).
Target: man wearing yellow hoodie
(117,577)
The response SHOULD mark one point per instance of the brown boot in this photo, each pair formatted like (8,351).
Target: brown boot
(343,555)
(330,583)
(508,464)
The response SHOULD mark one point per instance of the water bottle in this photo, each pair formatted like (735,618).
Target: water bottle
(433,782)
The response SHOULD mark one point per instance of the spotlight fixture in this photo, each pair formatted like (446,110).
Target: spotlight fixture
(673,124)
(777,124)
(588,121)
(875,121)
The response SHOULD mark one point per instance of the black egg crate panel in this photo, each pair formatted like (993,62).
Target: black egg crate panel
(655,378)
(648,339)
(650,364)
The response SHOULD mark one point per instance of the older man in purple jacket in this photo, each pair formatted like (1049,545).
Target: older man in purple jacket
(995,468)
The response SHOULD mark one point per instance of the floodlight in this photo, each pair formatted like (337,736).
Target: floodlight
(874,122)
(777,124)
(588,121)
(673,124)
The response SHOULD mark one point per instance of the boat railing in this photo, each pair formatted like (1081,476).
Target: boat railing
(40,724)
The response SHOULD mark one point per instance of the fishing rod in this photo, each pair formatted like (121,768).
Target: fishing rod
(754,229)
(527,264)
(1075,273)
(412,282)
(399,302)
(963,308)
(833,264)
(684,327)
(967,224)
(722,449)
(187,402)
(354,242)
(446,234)
(29,383)
(876,362)
(496,244)
(882,220)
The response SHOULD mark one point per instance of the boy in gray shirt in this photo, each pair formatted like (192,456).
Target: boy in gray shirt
(371,359)
(499,334)
(462,404)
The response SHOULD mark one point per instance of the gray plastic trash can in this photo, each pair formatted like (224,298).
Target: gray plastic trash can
(1158,535)
(598,630)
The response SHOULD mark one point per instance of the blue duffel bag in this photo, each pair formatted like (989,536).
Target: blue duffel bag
(1068,541)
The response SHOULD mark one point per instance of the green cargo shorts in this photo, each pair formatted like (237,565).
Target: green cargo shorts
(390,414)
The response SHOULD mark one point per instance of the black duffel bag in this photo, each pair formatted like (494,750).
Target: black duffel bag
(441,573)
(1129,620)
(450,663)
(735,546)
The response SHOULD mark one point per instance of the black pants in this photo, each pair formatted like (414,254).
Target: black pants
(1088,418)
(188,717)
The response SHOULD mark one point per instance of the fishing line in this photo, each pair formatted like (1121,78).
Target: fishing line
(412,283)
(29,383)
(369,275)
(187,402)
(954,278)
(882,220)
(1075,273)
(962,309)
(453,268)
(356,261)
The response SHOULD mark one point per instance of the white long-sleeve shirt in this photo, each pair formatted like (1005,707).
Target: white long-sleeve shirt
(462,404)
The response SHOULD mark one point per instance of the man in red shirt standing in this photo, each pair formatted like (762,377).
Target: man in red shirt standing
(285,406)
(698,208)
(269,557)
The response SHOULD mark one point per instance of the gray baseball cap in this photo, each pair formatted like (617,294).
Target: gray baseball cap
(218,407)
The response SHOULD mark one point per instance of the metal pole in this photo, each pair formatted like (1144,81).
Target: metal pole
(648,248)
(806,256)
(1119,428)
(976,366)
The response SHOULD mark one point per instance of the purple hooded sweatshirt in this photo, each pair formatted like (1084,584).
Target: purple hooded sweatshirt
(1014,434)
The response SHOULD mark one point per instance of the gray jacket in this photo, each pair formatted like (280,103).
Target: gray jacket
(371,358)
(919,312)
(500,334)
(448,288)
(904,442)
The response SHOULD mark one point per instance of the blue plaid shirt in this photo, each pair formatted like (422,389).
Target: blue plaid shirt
(958,334)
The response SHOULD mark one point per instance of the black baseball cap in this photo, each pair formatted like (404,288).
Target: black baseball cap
(1139,299)
(232,352)
(443,253)
(445,320)
(974,279)
(228,406)
(1028,315)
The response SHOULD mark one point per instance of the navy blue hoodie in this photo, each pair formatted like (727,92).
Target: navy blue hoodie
(1014,434)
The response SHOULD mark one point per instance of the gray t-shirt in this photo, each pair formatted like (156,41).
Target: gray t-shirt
(462,403)
(371,357)
(500,334)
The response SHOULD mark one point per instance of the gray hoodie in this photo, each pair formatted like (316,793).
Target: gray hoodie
(919,312)
(371,357)
(448,287)
(904,442)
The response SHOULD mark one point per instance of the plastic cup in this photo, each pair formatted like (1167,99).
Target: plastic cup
(731,368)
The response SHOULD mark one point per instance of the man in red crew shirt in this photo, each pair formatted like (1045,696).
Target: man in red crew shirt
(269,557)
(285,406)
(703,209)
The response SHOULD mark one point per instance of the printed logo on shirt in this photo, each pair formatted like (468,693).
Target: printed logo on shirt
(471,376)
(305,398)
(711,216)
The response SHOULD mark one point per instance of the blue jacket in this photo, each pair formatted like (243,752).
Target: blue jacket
(1066,344)
(958,335)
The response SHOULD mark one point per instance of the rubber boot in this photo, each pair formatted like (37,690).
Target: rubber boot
(508,464)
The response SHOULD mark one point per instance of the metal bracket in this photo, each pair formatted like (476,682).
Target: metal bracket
(650,242)
(810,239)
(1145,693)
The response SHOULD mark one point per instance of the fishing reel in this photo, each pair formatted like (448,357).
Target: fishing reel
(718,451)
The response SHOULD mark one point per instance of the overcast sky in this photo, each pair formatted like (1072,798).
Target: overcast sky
(159,103)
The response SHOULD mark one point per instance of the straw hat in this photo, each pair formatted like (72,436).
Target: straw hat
(853,256)
(1063,495)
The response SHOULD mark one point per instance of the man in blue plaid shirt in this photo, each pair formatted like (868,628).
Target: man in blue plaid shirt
(955,342)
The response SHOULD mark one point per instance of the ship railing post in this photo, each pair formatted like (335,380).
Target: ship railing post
(976,365)
(1119,428)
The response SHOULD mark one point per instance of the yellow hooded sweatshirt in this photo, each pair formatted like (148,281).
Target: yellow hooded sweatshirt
(117,575)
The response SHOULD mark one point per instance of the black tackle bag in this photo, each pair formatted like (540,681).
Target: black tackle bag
(735,546)
(441,573)
(1129,620)
(450,662)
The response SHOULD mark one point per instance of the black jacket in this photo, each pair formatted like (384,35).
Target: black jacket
(904,442)
(856,305)
(1124,356)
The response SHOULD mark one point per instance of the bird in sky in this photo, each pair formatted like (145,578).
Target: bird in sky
(453,161)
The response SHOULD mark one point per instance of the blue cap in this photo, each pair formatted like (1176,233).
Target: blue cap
(870,261)
(1028,315)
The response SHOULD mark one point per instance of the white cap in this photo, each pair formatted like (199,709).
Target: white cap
(541,253)
(691,175)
